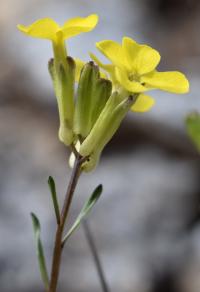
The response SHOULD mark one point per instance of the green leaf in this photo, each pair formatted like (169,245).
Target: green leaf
(40,253)
(193,128)
(84,211)
(52,188)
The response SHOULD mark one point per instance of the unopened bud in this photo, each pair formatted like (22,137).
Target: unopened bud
(63,79)
(106,125)
(85,93)
(102,92)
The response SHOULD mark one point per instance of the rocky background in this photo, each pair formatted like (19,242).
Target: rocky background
(146,224)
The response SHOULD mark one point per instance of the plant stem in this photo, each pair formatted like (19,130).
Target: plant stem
(95,255)
(60,227)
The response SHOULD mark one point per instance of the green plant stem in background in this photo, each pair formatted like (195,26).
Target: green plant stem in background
(60,227)
(94,251)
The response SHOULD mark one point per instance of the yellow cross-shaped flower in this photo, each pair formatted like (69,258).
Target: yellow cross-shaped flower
(62,68)
(133,68)
(47,28)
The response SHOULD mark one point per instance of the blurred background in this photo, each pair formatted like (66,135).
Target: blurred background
(146,224)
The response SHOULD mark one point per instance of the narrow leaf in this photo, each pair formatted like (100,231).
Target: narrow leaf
(193,128)
(84,211)
(52,188)
(40,253)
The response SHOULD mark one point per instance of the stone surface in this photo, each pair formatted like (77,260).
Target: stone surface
(146,222)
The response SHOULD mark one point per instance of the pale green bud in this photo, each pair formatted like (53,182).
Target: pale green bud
(106,125)
(63,79)
(82,117)
(92,94)
(102,92)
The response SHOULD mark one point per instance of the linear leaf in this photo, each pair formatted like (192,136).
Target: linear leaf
(84,211)
(52,188)
(40,253)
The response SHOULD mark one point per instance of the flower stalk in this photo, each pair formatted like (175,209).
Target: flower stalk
(56,261)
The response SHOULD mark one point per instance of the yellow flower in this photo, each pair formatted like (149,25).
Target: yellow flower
(110,68)
(47,28)
(62,68)
(134,70)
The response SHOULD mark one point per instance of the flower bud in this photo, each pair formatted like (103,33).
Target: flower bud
(106,125)
(87,82)
(101,94)
(92,95)
(63,81)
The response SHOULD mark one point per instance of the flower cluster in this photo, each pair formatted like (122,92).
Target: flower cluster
(105,92)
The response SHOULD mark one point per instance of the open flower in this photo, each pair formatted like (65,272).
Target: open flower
(47,28)
(133,68)
(62,68)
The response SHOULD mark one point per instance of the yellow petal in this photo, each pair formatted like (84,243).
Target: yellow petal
(131,86)
(113,51)
(173,81)
(45,28)
(106,67)
(79,66)
(142,58)
(103,75)
(78,25)
(143,103)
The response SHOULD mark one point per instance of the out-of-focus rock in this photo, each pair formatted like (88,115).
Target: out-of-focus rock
(146,223)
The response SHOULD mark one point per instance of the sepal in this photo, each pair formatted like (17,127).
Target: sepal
(63,79)
(106,125)
(87,82)
(93,93)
